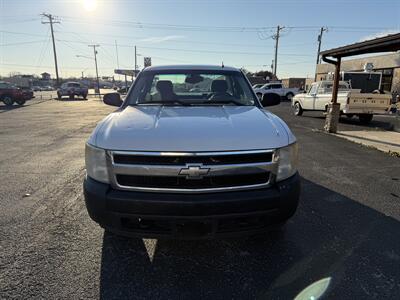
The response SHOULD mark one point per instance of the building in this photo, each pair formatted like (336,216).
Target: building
(45,76)
(387,64)
(292,82)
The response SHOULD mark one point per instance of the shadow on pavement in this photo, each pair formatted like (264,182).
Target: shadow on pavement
(70,99)
(386,125)
(330,236)
(373,124)
(6,108)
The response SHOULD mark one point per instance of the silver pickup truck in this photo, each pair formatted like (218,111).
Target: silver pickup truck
(276,88)
(191,153)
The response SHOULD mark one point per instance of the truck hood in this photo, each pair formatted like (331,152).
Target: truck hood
(191,129)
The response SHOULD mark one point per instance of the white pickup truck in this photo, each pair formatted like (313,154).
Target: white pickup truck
(276,88)
(352,102)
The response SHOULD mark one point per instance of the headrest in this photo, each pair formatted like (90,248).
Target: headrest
(219,86)
(164,86)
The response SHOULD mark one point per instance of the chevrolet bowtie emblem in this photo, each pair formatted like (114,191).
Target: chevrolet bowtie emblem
(194,172)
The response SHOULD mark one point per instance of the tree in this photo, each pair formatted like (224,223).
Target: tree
(265,75)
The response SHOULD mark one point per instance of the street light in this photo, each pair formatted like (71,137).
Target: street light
(83,56)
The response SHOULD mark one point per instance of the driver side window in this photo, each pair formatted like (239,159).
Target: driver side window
(313,90)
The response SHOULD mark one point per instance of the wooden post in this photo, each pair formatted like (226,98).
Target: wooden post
(333,113)
(336,81)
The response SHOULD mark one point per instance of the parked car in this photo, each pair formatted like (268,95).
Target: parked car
(10,94)
(276,88)
(352,102)
(188,164)
(47,88)
(72,89)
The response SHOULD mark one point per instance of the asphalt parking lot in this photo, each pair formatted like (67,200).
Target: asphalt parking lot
(346,228)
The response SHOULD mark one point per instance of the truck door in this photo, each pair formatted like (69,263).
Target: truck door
(310,97)
(276,88)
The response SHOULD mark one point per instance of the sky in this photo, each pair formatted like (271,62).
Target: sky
(236,32)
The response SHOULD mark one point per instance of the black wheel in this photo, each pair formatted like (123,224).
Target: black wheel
(20,102)
(365,118)
(349,116)
(297,109)
(59,97)
(84,96)
(289,96)
(7,100)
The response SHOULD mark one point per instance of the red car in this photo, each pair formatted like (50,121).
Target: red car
(10,94)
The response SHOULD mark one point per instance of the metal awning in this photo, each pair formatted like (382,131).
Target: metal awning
(387,43)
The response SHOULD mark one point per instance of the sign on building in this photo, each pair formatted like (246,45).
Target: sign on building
(147,62)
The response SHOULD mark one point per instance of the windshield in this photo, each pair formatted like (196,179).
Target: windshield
(191,88)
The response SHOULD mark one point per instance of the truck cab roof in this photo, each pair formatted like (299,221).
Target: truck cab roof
(191,68)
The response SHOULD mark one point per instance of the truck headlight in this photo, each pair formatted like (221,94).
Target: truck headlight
(287,158)
(96,164)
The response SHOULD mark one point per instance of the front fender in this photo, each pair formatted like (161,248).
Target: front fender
(297,99)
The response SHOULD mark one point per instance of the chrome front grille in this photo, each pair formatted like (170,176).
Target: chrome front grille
(191,172)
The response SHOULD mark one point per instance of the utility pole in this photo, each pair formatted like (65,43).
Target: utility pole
(135,61)
(319,49)
(276,38)
(97,71)
(116,51)
(51,22)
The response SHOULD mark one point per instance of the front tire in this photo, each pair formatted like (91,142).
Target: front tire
(297,109)
(59,97)
(7,100)
(365,118)
(20,102)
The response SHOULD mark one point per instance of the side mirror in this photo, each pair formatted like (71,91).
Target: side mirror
(113,99)
(270,99)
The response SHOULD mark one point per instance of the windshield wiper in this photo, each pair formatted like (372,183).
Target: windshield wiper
(168,102)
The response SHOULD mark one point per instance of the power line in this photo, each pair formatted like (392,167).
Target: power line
(45,66)
(168,26)
(193,50)
(22,43)
(43,50)
(66,43)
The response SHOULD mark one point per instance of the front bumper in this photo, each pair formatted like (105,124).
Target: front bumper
(155,215)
